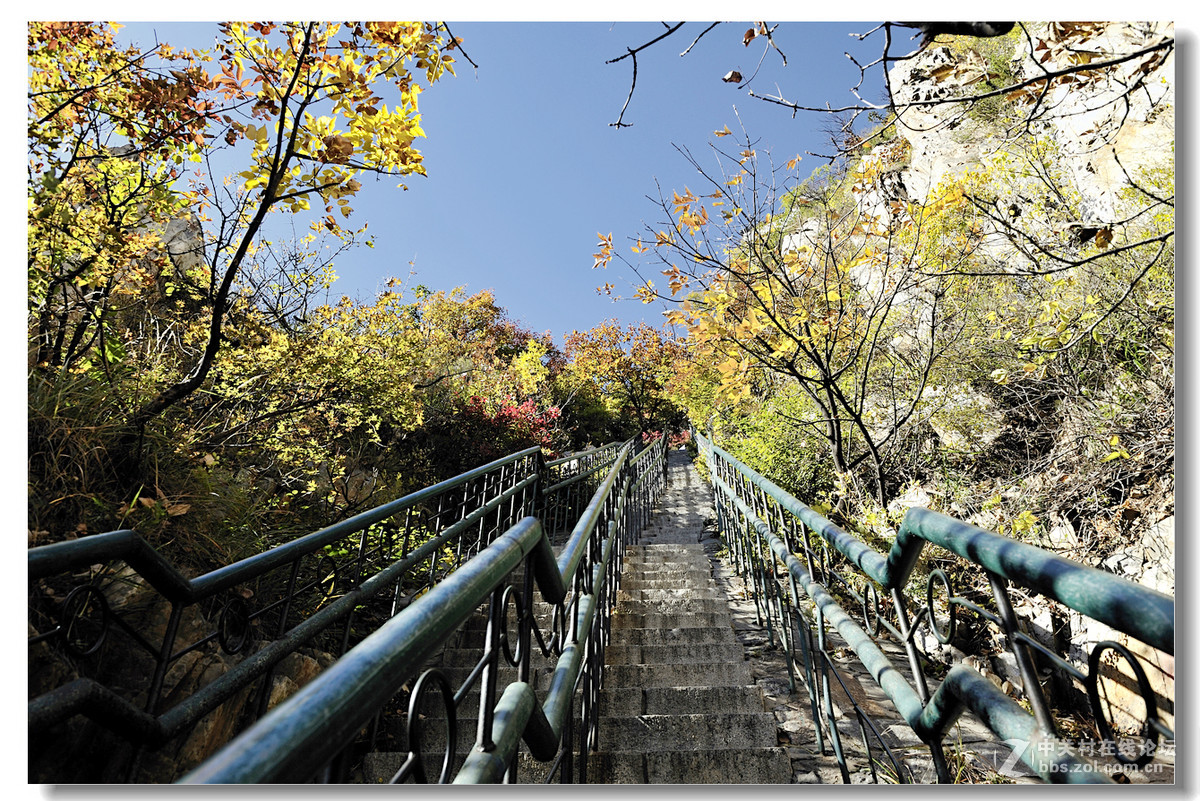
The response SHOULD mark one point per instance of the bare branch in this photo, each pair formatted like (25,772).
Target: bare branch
(698,38)
(632,53)
(457,45)
(632,85)
(1042,80)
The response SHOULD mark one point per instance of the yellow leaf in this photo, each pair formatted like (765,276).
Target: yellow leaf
(724,132)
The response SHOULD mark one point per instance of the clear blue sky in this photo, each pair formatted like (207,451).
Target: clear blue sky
(524,168)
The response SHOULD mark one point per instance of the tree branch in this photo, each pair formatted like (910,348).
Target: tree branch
(632,53)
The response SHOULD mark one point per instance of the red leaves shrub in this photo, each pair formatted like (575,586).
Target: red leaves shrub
(501,428)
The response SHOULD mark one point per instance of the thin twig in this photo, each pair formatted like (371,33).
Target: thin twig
(632,53)
(457,45)
(771,41)
(640,48)
(698,38)
(632,85)
(757,66)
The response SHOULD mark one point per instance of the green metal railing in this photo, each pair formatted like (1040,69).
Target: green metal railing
(824,569)
(317,729)
(570,481)
(328,589)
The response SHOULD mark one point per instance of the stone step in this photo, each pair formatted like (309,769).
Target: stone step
(434,731)
(661,555)
(665,700)
(475,638)
(667,570)
(675,606)
(474,631)
(700,766)
(724,766)
(380,766)
(644,548)
(663,550)
(665,538)
(616,701)
(655,619)
(470,655)
(539,679)
(688,732)
(700,635)
(732,674)
(671,581)
(672,596)
(678,654)
(642,731)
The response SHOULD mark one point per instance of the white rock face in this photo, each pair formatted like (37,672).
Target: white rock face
(964,419)
(1129,113)
(939,144)
(1086,120)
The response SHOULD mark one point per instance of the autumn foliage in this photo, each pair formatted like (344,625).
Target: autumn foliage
(192,373)
(998,337)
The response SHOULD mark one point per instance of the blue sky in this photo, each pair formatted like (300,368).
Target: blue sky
(524,168)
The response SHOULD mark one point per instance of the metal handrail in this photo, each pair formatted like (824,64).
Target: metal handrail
(753,512)
(61,557)
(462,514)
(313,726)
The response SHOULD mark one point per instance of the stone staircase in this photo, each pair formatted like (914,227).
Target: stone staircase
(693,690)
(679,705)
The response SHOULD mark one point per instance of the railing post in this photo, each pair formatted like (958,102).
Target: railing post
(491,671)
(1031,686)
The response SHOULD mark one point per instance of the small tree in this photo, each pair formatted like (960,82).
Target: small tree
(632,366)
(123,141)
(832,297)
